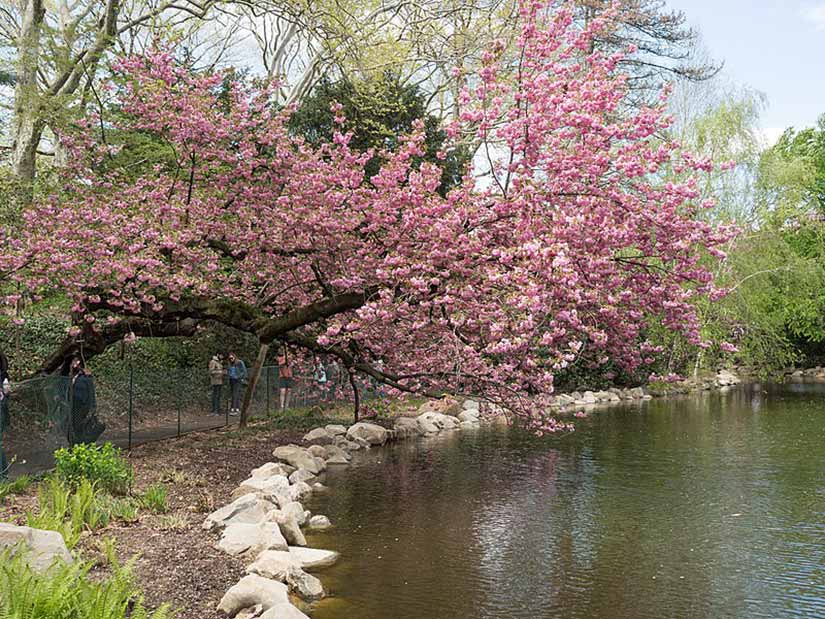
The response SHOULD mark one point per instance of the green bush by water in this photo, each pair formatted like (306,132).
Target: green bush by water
(103,465)
(67,592)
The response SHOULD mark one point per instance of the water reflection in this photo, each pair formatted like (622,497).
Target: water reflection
(707,506)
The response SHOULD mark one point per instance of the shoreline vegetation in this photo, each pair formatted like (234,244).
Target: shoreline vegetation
(231,521)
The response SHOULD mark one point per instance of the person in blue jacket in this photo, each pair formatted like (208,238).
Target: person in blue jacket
(237,377)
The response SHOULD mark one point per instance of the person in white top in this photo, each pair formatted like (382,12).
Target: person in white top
(5,390)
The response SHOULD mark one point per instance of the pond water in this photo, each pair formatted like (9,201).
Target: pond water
(708,506)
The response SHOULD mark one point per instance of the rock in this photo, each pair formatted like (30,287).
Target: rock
(602,396)
(43,548)
(306,586)
(369,432)
(296,510)
(334,451)
(313,558)
(637,393)
(726,378)
(252,590)
(588,397)
(406,427)
(251,613)
(469,425)
(239,538)
(297,457)
(338,460)
(565,399)
(363,443)
(576,395)
(351,446)
(320,463)
(284,611)
(274,564)
(249,508)
(447,405)
(469,416)
(335,430)
(301,475)
(470,405)
(266,487)
(318,436)
(319,522)
(289,528)
(272,468)
(426,425)
(318,487)
(299,491)
(316,451)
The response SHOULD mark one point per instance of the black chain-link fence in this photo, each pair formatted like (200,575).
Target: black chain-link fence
(135,406)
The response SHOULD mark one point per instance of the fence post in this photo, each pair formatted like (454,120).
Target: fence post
(131,396)
(177,400)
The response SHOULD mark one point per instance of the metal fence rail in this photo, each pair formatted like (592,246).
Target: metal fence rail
(131,407)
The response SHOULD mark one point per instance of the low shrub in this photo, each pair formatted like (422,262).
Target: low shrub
(104,465)
(15,486)
(65,591)
(154,499)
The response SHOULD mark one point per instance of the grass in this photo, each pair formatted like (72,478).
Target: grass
(16,486)
(154,499)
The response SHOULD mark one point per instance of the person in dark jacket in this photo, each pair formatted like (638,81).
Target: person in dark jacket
(83,426)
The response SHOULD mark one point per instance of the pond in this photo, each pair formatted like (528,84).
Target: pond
(711,505)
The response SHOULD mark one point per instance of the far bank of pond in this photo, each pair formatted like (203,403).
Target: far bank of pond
(707,505)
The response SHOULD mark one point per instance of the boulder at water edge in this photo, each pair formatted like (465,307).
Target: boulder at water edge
(266,487)
(313,558)
(447,405)
(283,611)
(251,590)
(336,429)
(289,527)
(301,475)
(272,468)
(318,436)
(296,510)
(240,538)
(249,509)
(42,547)
(297,457)
(274,564)
(469,415)
(372,433)
(319,522)
(306,586)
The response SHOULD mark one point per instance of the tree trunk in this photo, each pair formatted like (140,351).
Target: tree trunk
(253,382)
(28,125)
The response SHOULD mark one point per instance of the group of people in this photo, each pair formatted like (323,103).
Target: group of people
(233,371)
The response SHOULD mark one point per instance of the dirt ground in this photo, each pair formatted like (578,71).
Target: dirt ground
(175,561)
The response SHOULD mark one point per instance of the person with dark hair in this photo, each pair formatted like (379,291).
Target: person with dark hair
(83,426)
(5,390)
(237,376)
(216,373)
(285,379)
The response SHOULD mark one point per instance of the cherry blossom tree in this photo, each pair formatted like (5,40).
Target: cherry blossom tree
(573,243)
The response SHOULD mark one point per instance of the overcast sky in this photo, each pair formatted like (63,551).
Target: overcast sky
(774,46)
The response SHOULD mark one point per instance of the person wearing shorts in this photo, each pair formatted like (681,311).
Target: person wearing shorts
(285,380)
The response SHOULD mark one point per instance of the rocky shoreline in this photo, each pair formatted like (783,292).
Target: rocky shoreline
(264,523)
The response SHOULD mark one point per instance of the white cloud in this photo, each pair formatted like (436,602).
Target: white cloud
(815,15)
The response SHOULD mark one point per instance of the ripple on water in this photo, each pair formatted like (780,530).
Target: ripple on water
(706,506)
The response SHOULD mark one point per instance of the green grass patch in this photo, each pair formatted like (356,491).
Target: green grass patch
(154,499)
(15,486)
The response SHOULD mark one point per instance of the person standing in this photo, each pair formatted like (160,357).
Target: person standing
(84,426)
(237,376)
(216,373)
(285,379)
(320,376)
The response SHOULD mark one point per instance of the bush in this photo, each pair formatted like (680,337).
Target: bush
(154,499)
(67,591)
(103,465)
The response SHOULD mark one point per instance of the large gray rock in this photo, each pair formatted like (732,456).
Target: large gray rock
(272,468)
(318,436)
(469,425)
(319,522)
(469,415)
(289,527)
(301,475)
(426,424)
(274,564)
(470,405)
(241,538)
(332,451)
(369,432)
(726,378)
(316,451)
(336,429)
(42,548)
(297,457)
(284,611)
(406,427)
(253,612)
(306,586)
(296,510)
(251,590)
(266,487)
(313,558)
(249,508)
(447,405)
(637,393)
(299,491)
(441,421)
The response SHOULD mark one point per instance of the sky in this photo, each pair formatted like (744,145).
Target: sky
(774,46)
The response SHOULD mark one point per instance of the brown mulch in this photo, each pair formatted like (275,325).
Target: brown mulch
(175,559)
